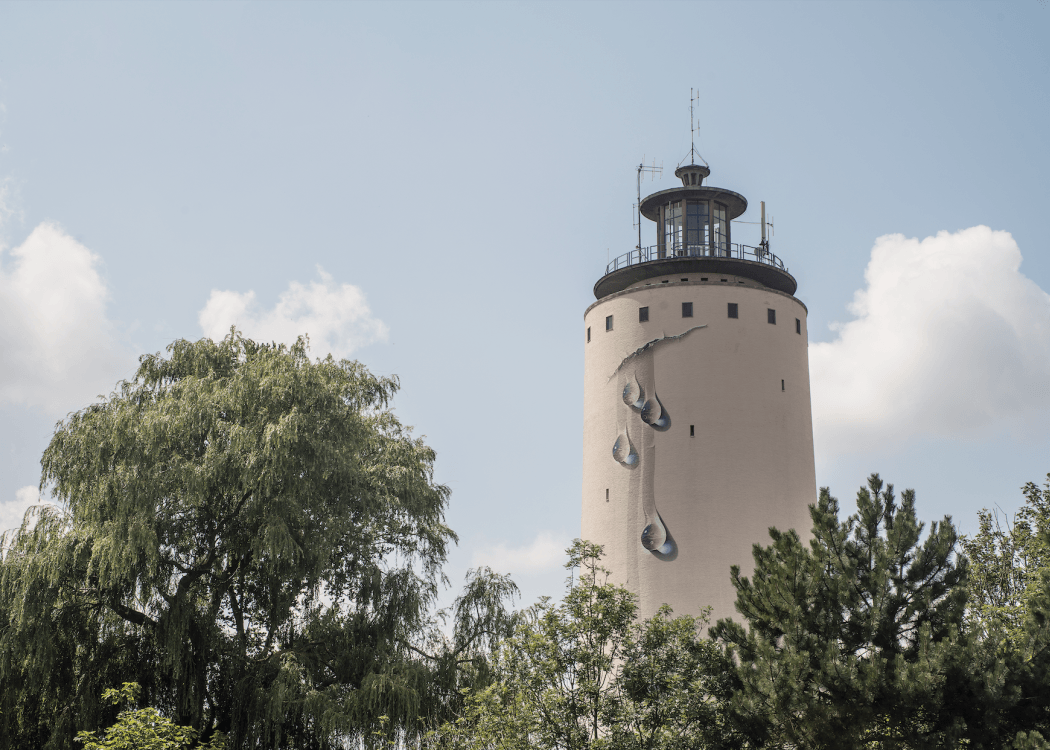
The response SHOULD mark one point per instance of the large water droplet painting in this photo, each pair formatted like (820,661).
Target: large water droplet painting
(654,536)
(623,451)
(654,414)
(633,394)
(648,416)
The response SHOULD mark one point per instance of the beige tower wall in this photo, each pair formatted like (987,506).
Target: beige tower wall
(749,464)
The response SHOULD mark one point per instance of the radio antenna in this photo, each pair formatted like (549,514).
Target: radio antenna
(652,171)
(694,128)
(692,125)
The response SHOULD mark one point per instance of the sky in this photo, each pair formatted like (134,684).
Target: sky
(434,188)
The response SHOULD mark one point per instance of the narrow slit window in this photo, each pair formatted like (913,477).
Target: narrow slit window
(643,314)
(606,493)
(771,316)
(685,279)
(798,326)
(692,430)
(782,385)
(608,322)
(588,334)
(734,311)
(687,309)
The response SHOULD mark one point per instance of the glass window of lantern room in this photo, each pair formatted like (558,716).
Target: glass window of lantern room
(697,228)
(673,228)
(721,230)
(661,249)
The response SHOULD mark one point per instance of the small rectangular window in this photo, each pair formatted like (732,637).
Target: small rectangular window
(643,314)
(692,430)
(606,493)
(798,326)
(733,310)
(703,278)
(687,309)
(608,322)
(588,334)
(781,385)
(771,316)
(685,279)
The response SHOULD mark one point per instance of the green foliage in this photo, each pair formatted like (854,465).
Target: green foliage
(561,666)
(250,535)
(1008,618)
(461,662)
(1029,741)
(585,674)
(672,689)
(143,729)
(254,538)
(1007,558)
(854,641)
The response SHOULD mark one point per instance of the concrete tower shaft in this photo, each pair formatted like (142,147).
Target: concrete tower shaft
(698,428)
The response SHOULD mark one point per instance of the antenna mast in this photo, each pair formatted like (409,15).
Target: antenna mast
(652,171)
(694,127)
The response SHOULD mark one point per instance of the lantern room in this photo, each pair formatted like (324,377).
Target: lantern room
(694,235)
(695,219)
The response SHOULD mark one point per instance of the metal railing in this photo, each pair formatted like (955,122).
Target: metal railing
(727,250)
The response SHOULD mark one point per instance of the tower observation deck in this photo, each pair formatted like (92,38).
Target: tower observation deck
(697,430)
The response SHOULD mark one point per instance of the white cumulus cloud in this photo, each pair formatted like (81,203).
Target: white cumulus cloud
(13,511)
(948,339)
(545,553)
(335,316)
(58,347)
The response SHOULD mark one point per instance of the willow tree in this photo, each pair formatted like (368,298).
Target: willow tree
(249,534)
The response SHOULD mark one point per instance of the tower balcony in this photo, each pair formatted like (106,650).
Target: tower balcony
(755,263)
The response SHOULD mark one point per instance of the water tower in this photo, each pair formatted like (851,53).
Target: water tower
(698,432)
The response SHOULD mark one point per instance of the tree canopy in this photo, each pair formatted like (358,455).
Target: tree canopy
(1008,556)
(250,543)
(585,673)
(142,729)
(858,637)
(850,638)
(1008,618)
(858,640)
(251,536)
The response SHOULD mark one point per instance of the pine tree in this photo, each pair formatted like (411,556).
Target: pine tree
(853,641)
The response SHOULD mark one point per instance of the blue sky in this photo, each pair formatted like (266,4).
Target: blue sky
(434,188)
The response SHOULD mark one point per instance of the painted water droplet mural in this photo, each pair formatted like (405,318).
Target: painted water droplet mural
(633,394)
(623,451)
(637,371)
(654,536)
(654,415)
